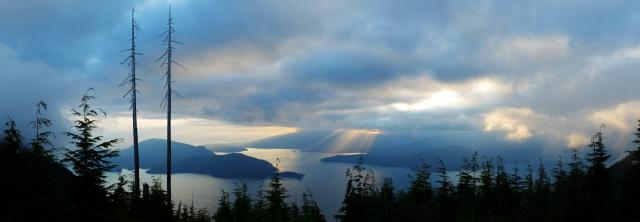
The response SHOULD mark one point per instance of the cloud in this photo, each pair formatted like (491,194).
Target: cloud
(577,140)
(194,130)
(546,48)
(429,94)
(522,70)
(621,117)
(510,120)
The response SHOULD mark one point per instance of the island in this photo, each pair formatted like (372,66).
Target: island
(199,160)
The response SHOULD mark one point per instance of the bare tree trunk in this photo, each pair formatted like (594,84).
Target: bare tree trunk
(169,122)
(131,80)
(134,116)
(167,99)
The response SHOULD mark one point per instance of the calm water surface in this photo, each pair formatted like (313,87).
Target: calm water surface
(325,180)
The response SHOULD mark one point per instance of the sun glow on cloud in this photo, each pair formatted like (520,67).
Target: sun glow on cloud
(447,95)
(509,120)
(360,140)
(444,98)
(575,140)
(196,131)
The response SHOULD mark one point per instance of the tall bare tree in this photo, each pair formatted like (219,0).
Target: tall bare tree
(131,81)
(166,102)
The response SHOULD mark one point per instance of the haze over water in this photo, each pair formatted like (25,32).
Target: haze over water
(326,181)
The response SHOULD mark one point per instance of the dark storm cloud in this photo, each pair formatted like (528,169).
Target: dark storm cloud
(331,64)
(351,69)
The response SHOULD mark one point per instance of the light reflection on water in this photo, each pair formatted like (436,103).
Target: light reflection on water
(326,180)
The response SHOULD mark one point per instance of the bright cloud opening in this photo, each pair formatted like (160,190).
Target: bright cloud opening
(511,121)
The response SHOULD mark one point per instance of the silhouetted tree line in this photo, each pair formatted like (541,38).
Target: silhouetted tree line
(582,190)
(37,186)
(269,205)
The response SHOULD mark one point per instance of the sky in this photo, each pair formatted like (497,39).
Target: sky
(513,72)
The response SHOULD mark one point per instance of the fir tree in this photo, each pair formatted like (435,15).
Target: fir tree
(576,180)
(636,153)
(542,183)
(41,139)
(559,175)
(310,212)
(561,190)
(466,188)
(91,158)
(486,200)
(503,194)
(12,138)
(420,191)
(223,214)
(387,200)
(359,194)
(631,188)
(542,195)
(260,206)
(515,186)
(275,196)
(597,170)
(597,176)
(242,204)
(445,198)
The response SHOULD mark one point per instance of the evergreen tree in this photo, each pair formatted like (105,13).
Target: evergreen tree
(242,204)
(542,195)
(466,188)
(90,159)
(260,206)
(515,186)
(597,177)
(561,190)
(528,184)
(119,196)
(420,195)
(310,211)
(223,214)
(387,200)
(359,195)
(503,194)
(631,187)
(559,175)
(486,200)
(597,170)
(445,198)
(157,208)
(120,199)
(635,154)
(294,212)
(276,207)
(576,180)
(542,183)
(41,139)
(12,138)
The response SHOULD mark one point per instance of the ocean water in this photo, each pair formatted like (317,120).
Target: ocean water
(326,181)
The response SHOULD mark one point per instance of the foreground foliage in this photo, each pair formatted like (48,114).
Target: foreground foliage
(486,191)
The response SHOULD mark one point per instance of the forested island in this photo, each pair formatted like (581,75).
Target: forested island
(197,159)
